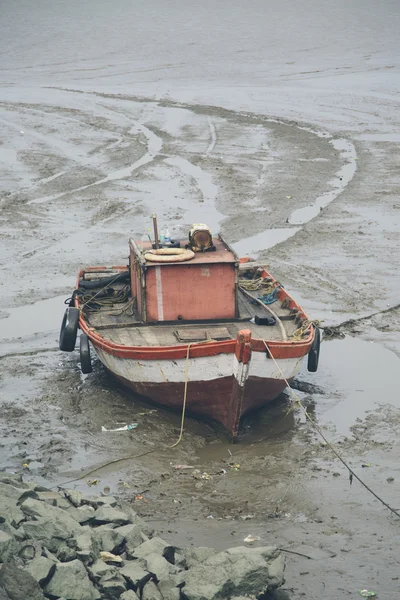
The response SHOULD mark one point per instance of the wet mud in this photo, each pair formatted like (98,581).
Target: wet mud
(290,173)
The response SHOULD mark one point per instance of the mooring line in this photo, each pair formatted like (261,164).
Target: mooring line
(318,429)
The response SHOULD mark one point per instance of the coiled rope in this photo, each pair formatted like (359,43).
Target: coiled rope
(318,429)
(305,326)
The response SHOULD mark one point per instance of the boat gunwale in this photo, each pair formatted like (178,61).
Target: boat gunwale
(283,349)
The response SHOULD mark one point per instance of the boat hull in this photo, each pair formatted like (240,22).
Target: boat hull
(214,386)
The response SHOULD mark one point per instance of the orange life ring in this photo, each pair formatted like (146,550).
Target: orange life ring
(169,255)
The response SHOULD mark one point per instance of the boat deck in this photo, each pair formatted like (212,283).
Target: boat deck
(119,323)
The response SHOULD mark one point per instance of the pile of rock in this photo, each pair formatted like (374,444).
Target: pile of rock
(67,545)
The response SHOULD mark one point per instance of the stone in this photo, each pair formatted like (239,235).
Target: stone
(108,514)
(8,547)
(157,545)
(41,569)
(194,556)
(129,595)
(74,497)
(134,518)
(132,536)
(84,514)
(109,540)
(98,501)
(53,498)
(235,572)
(10,512)
(87,547)
(49,532)
(10,478)
(135,574)
(65,553)
(112,585)
(37,510)
(71,581)
(151,592)
(169,593)
(19,534)
(158,566)
(3,594)
(19,584)
(99,569)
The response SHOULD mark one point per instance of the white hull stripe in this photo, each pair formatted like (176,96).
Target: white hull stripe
(160,306)
(205,368)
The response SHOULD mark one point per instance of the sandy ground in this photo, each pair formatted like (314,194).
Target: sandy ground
(277,125)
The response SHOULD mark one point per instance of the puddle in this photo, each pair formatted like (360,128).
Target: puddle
(263,241)
(338,183)
(40,317)
(357,376)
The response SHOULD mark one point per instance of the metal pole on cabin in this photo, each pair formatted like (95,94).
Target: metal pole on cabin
(155,229)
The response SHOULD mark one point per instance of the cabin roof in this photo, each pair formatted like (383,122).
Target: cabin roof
(222,254)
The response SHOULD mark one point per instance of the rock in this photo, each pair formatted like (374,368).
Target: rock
(136,520)
(108,514)
(112,585)
(71,581)
(235,572)
(10,513)
(157,545)
(19,584)
(49,532)
(98,501)
(3,594)
(41,569)
(74,497)
(132,536)
(83,514)
(135,574)
(87,547)
(10,478)
(151,592)
(37,510)
(129,595)
(8,547)
(194,556)
(19,534)
(109,540)
(169,593)
(158,566)
(99,569)
(65,553)
(53,498)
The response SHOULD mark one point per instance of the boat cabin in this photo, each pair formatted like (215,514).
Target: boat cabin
(186,286)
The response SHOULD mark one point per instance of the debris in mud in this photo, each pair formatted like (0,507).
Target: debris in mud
(123,428)
(250,539)
(66,544)
(367,594)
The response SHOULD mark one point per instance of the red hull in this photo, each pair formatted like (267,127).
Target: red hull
(216,399)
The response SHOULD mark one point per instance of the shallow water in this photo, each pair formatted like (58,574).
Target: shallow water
(250,119)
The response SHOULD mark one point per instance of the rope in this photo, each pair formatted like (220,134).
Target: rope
(318,429)
(253,285)
(272,296)
(184,398)
(132,456)
(299,333)
(112,297)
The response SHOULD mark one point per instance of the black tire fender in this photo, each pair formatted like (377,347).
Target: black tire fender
(69,329)
(313,355)
(84,352)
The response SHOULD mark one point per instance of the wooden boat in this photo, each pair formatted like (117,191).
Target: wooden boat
(195,318)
